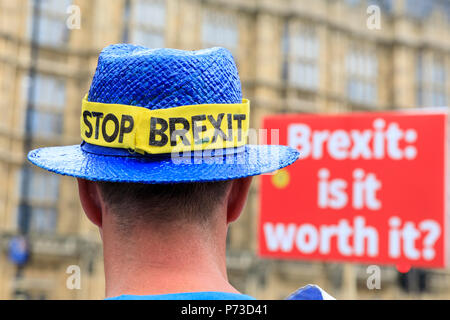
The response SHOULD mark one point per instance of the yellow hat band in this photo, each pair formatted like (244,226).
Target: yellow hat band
(178,129)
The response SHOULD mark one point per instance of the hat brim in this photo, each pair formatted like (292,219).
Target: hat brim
(73,161)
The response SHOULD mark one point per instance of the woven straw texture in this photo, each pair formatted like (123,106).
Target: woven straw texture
(158,79)
(165,78)
(72,161)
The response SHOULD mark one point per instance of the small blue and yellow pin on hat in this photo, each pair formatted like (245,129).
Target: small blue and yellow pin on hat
(164,116)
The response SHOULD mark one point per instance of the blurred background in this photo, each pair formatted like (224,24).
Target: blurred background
(293,56)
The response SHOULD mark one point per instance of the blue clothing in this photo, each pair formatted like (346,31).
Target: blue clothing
(186,296)
(309,292)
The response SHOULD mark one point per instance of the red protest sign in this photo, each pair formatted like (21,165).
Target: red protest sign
(369,187)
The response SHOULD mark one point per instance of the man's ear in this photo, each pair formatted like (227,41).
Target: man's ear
(91,201)
(237,197)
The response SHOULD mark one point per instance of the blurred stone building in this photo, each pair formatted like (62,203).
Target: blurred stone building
(293,56)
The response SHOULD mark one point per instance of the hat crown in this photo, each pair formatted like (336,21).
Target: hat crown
(165,78)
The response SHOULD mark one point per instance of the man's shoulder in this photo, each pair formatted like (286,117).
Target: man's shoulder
(207,295)
(310,292)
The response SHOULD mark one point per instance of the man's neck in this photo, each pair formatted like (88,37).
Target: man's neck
(165,260)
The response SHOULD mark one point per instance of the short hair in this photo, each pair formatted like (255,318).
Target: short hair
(133,203)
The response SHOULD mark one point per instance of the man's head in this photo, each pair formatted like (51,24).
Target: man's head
(131,205)
(160,218)
(164,238)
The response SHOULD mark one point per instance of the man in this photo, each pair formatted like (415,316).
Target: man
(164,168)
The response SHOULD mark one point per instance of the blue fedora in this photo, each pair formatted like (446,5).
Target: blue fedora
(164,116)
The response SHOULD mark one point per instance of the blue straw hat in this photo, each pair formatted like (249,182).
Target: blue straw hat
(164,116)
